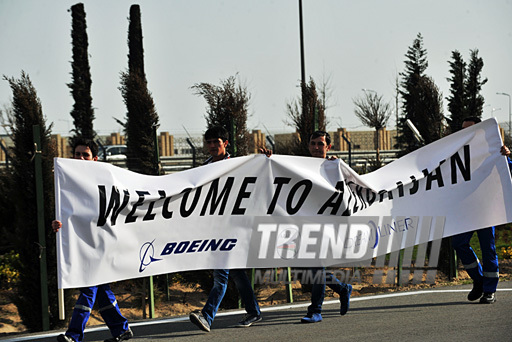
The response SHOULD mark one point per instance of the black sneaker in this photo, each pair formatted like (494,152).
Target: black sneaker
(345,299)
(488,298)
(123,337)
(64,338)
(198,319)
(249,320)
(476,292)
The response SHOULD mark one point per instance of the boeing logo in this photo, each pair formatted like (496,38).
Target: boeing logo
(177,248)
(196,246)
(146,253)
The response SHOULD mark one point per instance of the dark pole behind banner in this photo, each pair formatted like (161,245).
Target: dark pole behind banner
(45,316)
(150,278)
(349,149)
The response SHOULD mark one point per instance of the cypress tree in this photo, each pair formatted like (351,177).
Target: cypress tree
(422,102)
(415,65)
(473,85)
(141,116)
(23,235)
(430,111)
(135,47)
(466,84)
(457,98)
(82,113)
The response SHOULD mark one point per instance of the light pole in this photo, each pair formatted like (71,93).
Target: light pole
(303,64)
(494,110)
(483,111)
(372,91)
(509,113)
(415,132)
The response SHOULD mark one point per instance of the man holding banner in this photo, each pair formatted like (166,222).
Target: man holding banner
(85,149)
(485,274)
(216,141)
(319,144)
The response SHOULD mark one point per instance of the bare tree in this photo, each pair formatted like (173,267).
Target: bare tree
(374,113)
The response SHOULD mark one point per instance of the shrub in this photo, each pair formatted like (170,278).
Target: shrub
(9,273)
(506,253)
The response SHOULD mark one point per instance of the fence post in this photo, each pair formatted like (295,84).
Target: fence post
(289,292)
(36,130)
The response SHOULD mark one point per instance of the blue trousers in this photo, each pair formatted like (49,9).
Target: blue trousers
(108,309)
(318,290)
(220,284)
(487,272)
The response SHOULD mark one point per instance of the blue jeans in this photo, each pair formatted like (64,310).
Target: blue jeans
(486,274)
(318,290)
(108,309)
(220,284)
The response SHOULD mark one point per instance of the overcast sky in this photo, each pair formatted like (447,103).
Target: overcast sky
(353,44)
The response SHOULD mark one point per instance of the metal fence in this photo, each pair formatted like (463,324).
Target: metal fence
(361,161)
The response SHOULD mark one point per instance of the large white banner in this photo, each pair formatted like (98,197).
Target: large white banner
(256,211)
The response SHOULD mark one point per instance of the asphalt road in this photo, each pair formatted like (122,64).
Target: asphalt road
(441,314)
